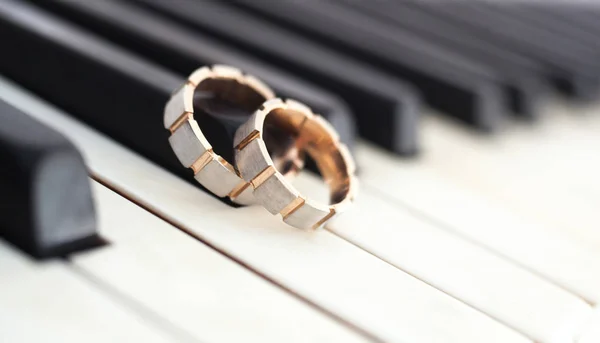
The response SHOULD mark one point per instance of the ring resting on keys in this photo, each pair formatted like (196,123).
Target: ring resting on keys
(189,142)
(311,134)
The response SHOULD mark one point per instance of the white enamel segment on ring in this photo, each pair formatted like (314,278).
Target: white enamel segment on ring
(191,146)
(313,134)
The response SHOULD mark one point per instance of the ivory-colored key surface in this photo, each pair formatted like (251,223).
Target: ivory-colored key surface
(538,172)
(495,286)
(50,302)
(319,266)
(351,283)
(193,287)
(592,332)
(554,255)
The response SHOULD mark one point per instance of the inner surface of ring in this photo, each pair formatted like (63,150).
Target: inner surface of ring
(311,137)
(221,105)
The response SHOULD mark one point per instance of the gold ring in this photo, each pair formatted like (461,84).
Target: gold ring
(312,134)
(187,139)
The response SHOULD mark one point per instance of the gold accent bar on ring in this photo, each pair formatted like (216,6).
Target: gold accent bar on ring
(252,136)
(185,116)
(292,207)
(263,176)
(202,161)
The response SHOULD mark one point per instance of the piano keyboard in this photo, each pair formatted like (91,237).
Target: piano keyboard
(477,153)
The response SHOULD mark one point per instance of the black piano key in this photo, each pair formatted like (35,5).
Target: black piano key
(561,29)
(577,15)
(521,77)
(574,68)
(108,88)
(183,51)
(385,109)
(582,15)
(46,205)
(513,26)
(449,82)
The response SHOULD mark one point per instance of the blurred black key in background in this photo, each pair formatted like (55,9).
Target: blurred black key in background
(181,51)
(521,77)
(110,90)
(46,206)
(574,68)
(385,109)
(563,30)
(449,82)
(115,92)
(584,16)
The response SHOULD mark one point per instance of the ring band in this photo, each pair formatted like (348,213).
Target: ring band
(313,135)
(189,143)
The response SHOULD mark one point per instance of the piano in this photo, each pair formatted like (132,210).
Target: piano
(476,131)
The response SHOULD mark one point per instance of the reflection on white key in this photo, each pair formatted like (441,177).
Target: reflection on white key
(319,266)
(193,287)
(557,257)
(592,333)
(48,302)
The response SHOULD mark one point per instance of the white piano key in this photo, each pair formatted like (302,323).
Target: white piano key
(319,266)
(522,300)
(351,283)
(579,116)
(583,125)
(538,172)
(592,333)
(554,255)
(49,302)
(193,287)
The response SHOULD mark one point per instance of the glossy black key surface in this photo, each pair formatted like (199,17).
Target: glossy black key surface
(46,206)
(574,68)
(449,82)
(183,51)
(522,77)
(108,88)
(385,109)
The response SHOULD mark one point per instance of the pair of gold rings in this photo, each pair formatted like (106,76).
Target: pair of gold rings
(261,176)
